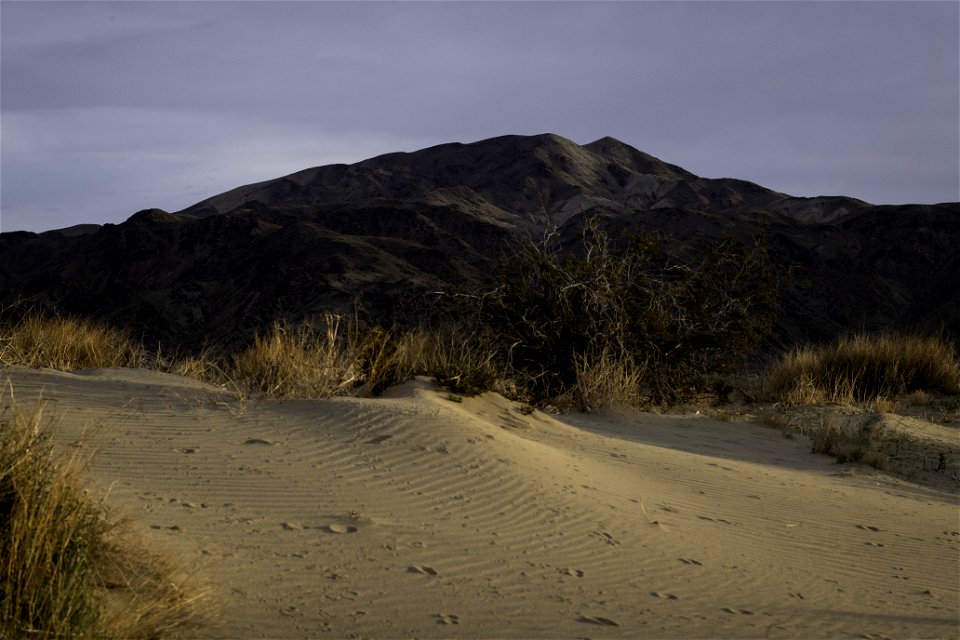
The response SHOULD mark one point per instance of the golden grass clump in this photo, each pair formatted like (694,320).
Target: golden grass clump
(865,368)
(66,570)
(606,381)
(338,357)
(56,342)
(302,362)
(458,358)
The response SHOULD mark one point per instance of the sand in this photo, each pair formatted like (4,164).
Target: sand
(424,515)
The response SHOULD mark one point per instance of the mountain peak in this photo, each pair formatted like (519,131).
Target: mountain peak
(636,160)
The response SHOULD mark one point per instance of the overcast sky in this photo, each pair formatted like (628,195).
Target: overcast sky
(112,107)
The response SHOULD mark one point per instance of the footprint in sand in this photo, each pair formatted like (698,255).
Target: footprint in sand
(599,620)
(447,618)
(422,569)
(741,612)
(664,596)
(339,528)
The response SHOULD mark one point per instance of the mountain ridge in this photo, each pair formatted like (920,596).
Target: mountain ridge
(387,231)
(605,170)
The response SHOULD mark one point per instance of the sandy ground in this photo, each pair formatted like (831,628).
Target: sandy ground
(418,516)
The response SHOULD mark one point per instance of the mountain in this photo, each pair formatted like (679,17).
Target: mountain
(386,232)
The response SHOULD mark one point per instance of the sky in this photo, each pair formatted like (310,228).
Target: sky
(107,108)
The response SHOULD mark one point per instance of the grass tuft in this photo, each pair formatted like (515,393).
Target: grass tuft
(301,362)
(463,360)
(606,381)
(66,344)
(864,368)
(66,570)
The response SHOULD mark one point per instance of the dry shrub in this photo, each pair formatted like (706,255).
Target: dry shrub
(39,340)
(561,313)
(64,566)
(866,367)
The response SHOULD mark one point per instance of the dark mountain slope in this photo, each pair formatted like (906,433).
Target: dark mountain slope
(386,231)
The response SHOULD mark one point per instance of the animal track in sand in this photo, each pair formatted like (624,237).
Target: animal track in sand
(742,612)
(708,519)
(606,537)
(690,561)
(664,596)
(576,573)
(447,618)
(422,569)
(598,620)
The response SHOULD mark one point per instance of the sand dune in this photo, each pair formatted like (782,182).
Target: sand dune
(416,515)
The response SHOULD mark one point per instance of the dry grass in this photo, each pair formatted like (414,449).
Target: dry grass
(334,356)
(606,381)
(866,368)
(204,366)
(339,359)
(66,343)
(66,570)
(457,358)
(302,362)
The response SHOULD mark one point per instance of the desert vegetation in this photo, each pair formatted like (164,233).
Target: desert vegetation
(67,570)
(38,339)
(862,368)
(631,325)
(575,329)
(865,379)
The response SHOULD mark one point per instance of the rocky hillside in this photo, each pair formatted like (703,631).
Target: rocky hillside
(386,232)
